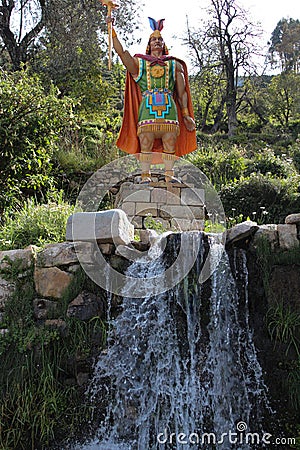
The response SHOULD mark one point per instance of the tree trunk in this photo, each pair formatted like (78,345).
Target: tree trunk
(219,116)
(18,50)
(231,114)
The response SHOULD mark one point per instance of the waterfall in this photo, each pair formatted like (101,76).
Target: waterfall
(181,370)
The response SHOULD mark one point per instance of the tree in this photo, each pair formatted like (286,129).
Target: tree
(284,99)
(17,37)
(229,38)
(285,45)
(64,27)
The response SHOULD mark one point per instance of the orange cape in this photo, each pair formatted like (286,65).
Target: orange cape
(128,140)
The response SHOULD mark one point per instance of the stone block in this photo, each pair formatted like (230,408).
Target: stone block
(111,226)
(241,231)
(293,219)
(148,236)
(198,212)
(198,225)
(269,232)
(66,253)
(140,195)
(143,209)
(137,221)
(128,208)
(181,224)
(86,306)
(106,249)
(133,193)
(51,281)
(193,197)
(176,211)
(44,308)
(174,189)
(25,257)
(287,236)
(187,225)
(6,290)
(163,196)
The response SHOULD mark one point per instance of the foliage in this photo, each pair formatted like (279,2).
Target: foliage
(34,223)
(20,25)
(295,151)
(219,165)
(284,326)
(30,123)
(38,407)
(282,321)
(154,224)
(285,43)
(266,162)
(284,99)
(275,197)
(52,33)
(267,258)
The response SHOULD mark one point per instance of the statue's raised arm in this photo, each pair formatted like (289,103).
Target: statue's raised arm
(129,61)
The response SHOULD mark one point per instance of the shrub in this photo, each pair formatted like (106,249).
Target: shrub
(219,164)
(261,197)
(36,224)
(30,124)
(295,151)
(267,163)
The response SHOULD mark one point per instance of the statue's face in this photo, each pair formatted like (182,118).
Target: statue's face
(156,44)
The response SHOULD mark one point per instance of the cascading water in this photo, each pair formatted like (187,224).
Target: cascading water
(181,364)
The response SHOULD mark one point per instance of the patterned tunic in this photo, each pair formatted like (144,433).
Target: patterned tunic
(157,111)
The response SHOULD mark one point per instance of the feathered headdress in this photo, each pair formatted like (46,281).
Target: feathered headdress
(156,26)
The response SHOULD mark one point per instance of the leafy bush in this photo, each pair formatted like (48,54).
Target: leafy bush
(30,124)
(296,154)
(36,224)
(261,197)
(267,163)
(219,164)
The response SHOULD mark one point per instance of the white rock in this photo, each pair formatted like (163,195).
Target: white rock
(111,226)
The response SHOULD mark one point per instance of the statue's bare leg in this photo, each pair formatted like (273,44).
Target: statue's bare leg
(146,142)
(168,156)
(169,142)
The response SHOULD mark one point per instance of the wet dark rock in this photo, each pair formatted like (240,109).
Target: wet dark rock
(86,306)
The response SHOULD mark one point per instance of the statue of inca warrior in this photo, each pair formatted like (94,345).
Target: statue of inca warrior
(158,112)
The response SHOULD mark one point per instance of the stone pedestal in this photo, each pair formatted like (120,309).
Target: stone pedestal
(167,206)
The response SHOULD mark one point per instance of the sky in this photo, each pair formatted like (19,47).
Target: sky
(266,12)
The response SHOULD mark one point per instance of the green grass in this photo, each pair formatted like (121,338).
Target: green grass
(34,223)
